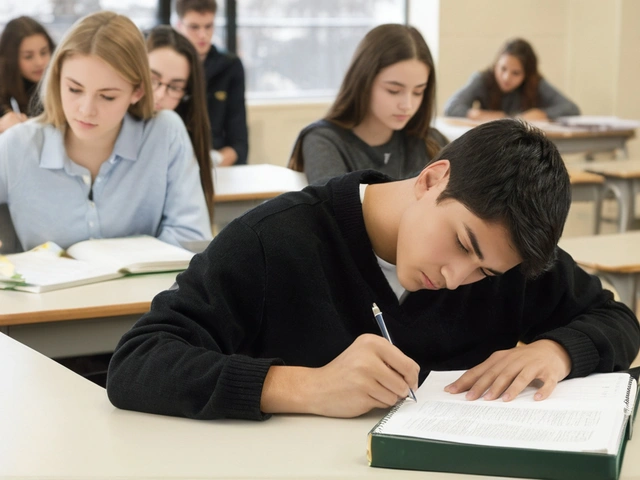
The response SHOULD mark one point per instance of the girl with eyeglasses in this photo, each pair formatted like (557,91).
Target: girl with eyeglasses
(25,51)
(178,84)
(98,162)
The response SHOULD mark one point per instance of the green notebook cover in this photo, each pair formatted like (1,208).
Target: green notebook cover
(412,453)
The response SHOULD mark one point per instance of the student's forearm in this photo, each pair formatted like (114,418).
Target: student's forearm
(287,390)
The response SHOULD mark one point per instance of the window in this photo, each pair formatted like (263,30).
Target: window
(301,48)
(58,15)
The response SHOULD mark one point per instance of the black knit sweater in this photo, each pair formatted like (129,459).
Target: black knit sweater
(292,282)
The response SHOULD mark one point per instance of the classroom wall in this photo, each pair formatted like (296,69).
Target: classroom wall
(587,48)
(274,127)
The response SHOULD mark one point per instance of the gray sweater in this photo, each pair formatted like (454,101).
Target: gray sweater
(330,151)
(552,102)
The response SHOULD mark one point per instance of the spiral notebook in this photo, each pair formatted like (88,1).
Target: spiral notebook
(578,432)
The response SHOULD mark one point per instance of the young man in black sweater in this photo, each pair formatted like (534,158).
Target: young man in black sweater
(275,316)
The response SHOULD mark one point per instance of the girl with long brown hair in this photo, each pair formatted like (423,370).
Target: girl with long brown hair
(512,86)
(382,114)
(177,80)
(25,51)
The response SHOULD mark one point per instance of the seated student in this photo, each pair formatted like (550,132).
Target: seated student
(275,316)
(381,116)
(511,87)
(25,51)
(97,163)
(224,82)
(178,84)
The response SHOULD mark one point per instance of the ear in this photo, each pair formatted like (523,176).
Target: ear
(434,175)
(137,94)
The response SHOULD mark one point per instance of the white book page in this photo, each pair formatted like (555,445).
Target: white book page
(584,414)
(135,254)
(44,268)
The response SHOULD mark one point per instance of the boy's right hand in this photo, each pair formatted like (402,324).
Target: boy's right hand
(10,119)
(370,373)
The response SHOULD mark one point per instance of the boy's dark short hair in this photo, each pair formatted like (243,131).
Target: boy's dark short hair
(200,6)
(508,171)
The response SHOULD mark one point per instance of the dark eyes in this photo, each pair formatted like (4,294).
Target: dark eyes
(395,92)
(462,247)
(77,90)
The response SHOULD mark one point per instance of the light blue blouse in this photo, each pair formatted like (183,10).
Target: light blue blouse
(149,185)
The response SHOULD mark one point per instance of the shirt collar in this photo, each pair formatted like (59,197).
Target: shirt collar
(129,139)
(127,144)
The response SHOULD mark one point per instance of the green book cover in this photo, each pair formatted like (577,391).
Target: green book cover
(579,432)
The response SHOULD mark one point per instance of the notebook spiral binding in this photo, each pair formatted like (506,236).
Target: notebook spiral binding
(386,418)
(628,408)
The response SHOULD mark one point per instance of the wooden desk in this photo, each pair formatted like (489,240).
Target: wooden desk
(566,139)
(241,187)
(48,322)
(587,187)
(616,257)
(622,179)
(58,425)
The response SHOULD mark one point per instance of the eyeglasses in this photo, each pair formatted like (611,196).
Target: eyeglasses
(173,91)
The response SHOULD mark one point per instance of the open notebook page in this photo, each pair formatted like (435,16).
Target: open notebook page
(583,414)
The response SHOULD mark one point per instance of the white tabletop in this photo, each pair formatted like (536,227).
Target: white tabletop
(57,425)
(255,182)
(122,296)
(618,252)
(453,127)
(627,169)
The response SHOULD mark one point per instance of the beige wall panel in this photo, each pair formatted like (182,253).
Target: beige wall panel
(502,18)
(593,55)
(274,127)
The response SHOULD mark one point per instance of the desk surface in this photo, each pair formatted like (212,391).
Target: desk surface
(122,296)
(552,130)
(58,425)
(626,169)
(616,253)
(580,177)
(255,182)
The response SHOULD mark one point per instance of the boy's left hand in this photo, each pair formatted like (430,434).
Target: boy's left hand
(507,372)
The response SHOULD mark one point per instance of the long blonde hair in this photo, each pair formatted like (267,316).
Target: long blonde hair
(116,40)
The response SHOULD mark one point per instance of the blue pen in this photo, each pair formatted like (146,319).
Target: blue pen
(385,333)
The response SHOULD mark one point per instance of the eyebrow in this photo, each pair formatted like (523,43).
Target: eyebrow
(476,248)
(101,90)
(393,82)
(171,80)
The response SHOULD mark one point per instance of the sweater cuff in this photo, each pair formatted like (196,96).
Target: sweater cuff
(240,384)
(582,352)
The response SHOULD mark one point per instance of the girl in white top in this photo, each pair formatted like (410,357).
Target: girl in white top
(98,163)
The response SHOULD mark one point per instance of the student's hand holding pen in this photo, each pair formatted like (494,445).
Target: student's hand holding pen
(370,373)
(506,373)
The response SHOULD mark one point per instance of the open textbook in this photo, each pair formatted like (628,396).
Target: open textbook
(580,431)
(48,267)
